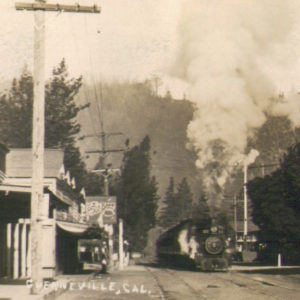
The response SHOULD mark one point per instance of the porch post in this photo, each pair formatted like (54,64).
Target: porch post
(8,247)
(28,259)
(23,247)
(16,251)
(27,248)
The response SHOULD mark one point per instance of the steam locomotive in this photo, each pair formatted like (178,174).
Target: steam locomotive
(189,244)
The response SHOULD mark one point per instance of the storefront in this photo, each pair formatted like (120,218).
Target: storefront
(63,225)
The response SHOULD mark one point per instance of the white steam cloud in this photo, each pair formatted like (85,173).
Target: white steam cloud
(250,158)
(235,55)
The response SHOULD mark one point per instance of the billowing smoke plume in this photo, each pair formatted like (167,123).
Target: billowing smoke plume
(250,158)
(234,54)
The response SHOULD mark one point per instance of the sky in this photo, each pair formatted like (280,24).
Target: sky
(129,39)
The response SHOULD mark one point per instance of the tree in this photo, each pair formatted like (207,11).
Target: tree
(184,200)
(94,184)
(178,205)
(61,126)
(276,208)
(272,140)
(137,195)
(167,216)
(16,112)
(61,111)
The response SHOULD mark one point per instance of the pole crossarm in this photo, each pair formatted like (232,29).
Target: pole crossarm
(57,7)
(106,172)
(263,166)
(101,134)
(105,151)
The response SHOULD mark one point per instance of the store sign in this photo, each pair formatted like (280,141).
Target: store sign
(101,210)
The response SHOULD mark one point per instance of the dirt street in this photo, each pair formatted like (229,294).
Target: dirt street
(153,282)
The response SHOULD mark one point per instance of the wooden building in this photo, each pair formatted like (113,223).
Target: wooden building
(64,209)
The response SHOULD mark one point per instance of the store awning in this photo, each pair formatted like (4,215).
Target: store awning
(75,228)
(15,188)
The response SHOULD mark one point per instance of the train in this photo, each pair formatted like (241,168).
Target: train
(189,244)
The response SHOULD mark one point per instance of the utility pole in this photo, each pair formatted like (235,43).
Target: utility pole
(106,172)
(245,202)
(235,220)
(121,250)
(38,131)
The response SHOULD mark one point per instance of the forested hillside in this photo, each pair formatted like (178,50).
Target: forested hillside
(135,110)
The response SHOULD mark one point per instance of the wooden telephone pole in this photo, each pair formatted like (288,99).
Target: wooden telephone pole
(245,204)
(38,131)
(235,219)
(106,172)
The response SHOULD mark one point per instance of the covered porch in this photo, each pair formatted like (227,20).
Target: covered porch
(60,231)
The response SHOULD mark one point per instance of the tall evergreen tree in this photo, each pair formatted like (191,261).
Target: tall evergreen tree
(178,205)
(276,208)
(184,200)
(16,112)
(168,213)
(61,110)
(272,140)
(137,195)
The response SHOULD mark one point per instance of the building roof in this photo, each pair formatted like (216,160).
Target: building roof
(19,163)
(251,226)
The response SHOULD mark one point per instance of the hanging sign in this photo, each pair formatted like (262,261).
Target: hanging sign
(101,209)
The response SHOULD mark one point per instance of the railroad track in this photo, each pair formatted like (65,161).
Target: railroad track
(260,286)
(178,287)
(268,282)
(163,294)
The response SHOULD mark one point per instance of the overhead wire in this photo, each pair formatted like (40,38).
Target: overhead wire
(99,101)
(22,53)
(94,86)
(93,80)
(83,100)
(84,88)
